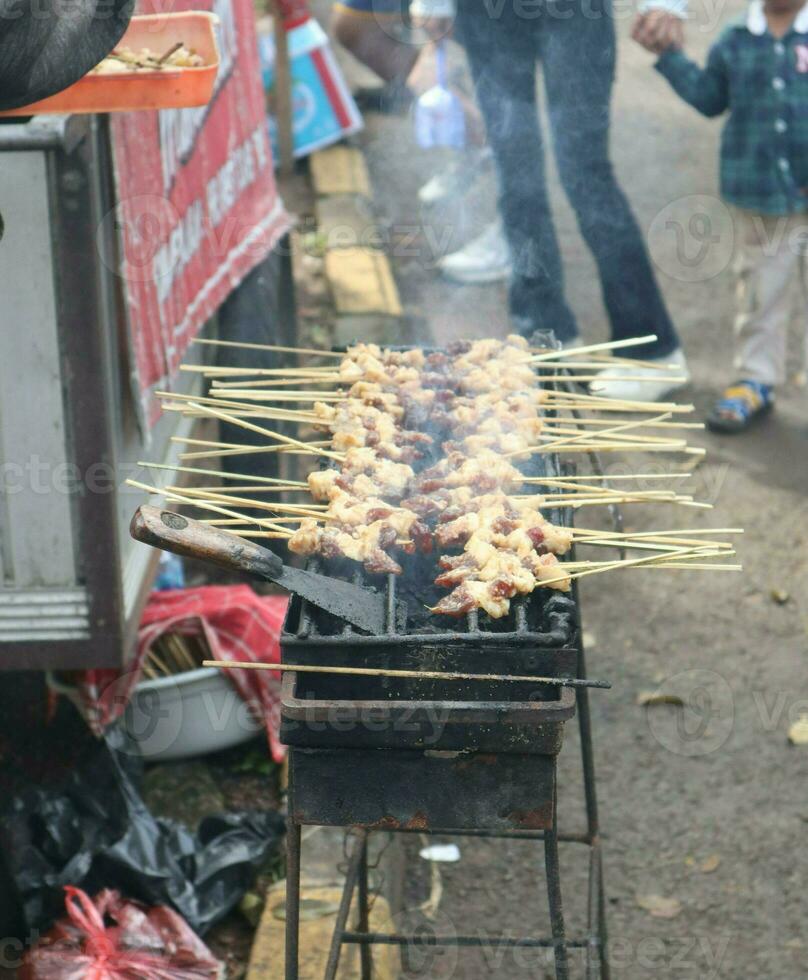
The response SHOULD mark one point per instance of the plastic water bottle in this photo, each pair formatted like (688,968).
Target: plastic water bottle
(439,118)
(170,573)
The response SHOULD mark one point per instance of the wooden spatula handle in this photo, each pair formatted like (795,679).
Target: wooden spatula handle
(182,536)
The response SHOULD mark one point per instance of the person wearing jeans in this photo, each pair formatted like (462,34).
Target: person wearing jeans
(574,41)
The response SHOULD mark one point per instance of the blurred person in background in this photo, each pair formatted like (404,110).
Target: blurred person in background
(575,43)
(378,34)
(757,71)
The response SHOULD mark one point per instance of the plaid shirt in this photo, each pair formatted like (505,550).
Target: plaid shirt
(763,82)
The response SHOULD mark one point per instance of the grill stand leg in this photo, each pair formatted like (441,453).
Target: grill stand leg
(292,898)
(357,858)
(363,918)
(554,896)
(597,954)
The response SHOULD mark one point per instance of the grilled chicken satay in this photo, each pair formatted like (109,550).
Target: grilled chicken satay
(364,474)
(508,546)
(363,530)
(354,424)
(367,545)
(492,586)
(508,550)
(485,472)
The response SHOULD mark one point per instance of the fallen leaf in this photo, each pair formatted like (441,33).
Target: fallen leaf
(649,698)
(659,906)
(798,733)
(780,596)
(710,864)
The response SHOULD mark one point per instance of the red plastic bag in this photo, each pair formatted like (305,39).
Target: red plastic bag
(138,944)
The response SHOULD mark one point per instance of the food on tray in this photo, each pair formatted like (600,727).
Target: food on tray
(123,59)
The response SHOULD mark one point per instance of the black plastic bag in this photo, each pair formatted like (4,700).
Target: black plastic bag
(95,831)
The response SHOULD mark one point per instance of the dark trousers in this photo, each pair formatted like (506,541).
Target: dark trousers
(575,42)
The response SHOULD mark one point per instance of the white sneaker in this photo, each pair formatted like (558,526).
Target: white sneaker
(651,384)
(485,259)
(457,178)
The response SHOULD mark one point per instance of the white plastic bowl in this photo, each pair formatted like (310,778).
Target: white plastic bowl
(179,717)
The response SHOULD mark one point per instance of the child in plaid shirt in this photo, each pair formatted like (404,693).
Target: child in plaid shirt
(758,70)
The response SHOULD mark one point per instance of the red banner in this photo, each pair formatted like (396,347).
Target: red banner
(197,202)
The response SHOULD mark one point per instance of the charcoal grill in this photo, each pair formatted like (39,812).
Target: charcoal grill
(415,755)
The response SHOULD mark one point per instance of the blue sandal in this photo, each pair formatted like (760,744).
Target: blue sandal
(740,405)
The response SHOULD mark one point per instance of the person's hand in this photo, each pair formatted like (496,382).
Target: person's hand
(434,27)
(658,30)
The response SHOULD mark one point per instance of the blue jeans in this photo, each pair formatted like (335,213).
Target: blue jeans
(575,42)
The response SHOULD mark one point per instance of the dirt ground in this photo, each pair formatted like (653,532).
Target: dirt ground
(704,804)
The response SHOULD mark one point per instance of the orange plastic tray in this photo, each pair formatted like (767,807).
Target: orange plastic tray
(168,88)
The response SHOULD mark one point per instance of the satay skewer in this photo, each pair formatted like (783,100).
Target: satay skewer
(235,370)
(203,505)
(243,345)
(589,348)
(286,484)
(279,383)
(279,396)
(221,403)
(582,422)
(622,427)
(264,431)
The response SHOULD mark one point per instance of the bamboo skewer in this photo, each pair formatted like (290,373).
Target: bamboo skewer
(238,449)
(639,379)
(231,371)
(665,559)
(196,400)
(582,434)
(582,422)
(295,484)
(203,505)
(562,483)
(617,447)
(303,510)
(657,537)
(257,489)
(280,383)
(570,396)
(275,415)
(265,432)
(592,501)
(603,363)
(248,451)
(279,415)
(390,672)
(550,481)
(630,563)
(274,535)
(274,347)
(590,348)
(622,427)
(279,396)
